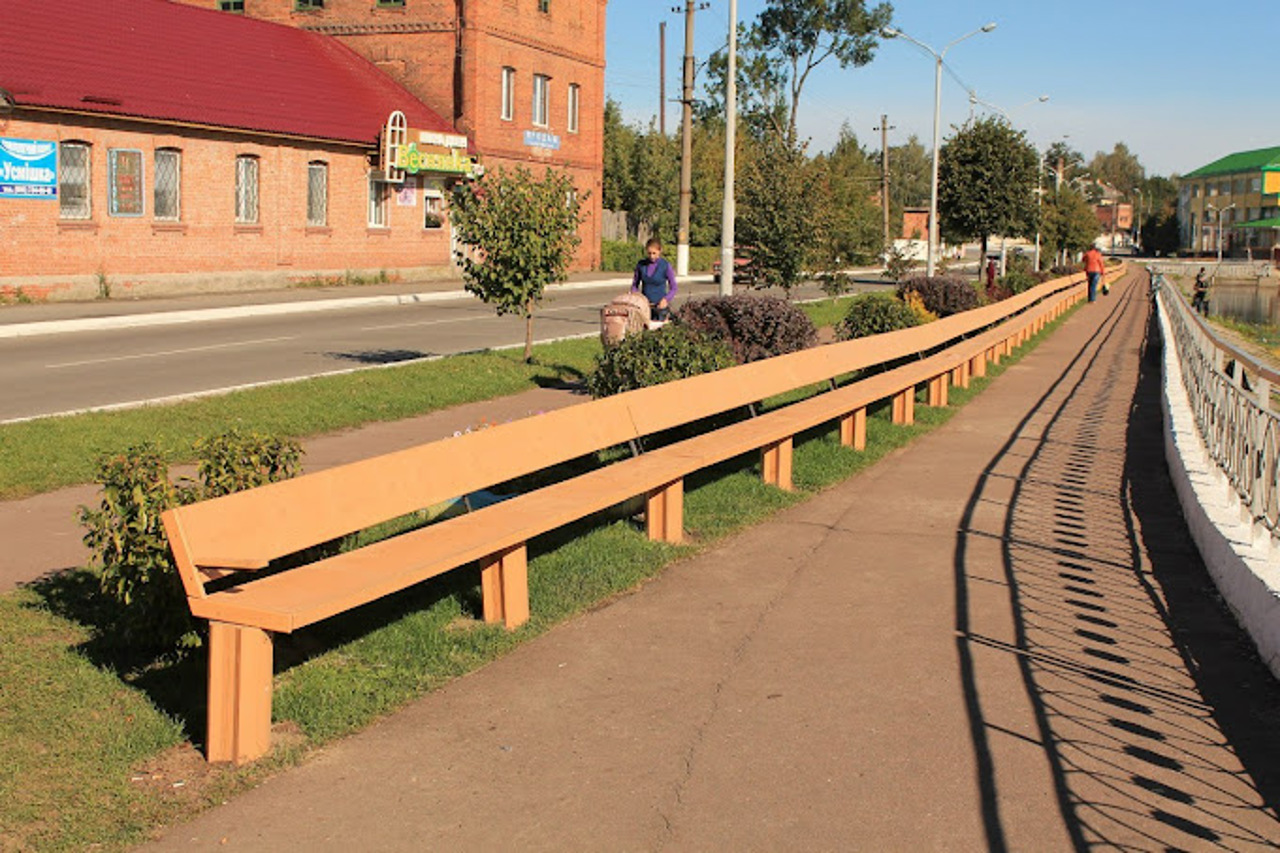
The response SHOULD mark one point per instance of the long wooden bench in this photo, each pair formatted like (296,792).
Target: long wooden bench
(222,546)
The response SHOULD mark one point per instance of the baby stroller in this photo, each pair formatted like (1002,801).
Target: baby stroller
(627,314)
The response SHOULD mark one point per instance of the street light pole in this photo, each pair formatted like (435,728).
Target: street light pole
(889,33)
(729,211)
(1220,212)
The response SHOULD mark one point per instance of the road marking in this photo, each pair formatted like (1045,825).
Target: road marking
(418,323)
(168,352)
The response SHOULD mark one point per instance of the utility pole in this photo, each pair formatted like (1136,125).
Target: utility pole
(729,208)
(662,78)
(686,140)
(884,129)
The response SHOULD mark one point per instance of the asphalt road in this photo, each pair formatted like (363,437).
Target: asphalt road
(54,374)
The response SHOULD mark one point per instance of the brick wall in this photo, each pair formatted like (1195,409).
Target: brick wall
(44,253)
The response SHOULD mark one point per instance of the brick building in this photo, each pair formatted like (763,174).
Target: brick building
(150,146)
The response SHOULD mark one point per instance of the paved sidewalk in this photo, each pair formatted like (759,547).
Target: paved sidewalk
(998,638)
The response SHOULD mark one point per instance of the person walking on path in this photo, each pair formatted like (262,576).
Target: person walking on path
(655,278)
(1200,294)
(1094,269)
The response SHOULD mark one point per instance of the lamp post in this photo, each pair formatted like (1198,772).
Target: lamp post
(1220,212)
(728,210)
(1138,229)
(889,33)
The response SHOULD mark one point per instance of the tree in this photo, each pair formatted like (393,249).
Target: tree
(910,177)
(1068,223)
(851,177)
(617,187)
(789,39)
(1120,169)
(783,213)
(1063,164)
(986,182)
(655,178)
(519,236)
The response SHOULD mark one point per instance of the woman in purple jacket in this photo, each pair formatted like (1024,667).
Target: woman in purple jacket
(655,279)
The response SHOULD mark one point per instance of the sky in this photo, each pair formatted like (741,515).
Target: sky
(1152,74)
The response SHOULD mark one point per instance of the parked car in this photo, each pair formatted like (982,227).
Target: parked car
(743,271)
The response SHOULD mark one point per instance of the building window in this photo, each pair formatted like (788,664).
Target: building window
(1195,191)
(508,94)
(317,194)
(1239,186)
(1255,184)
(544,6)
(167,200)
(247,190)
(236,6)
(1225,188)
(391,4)
(379,192)
(541,99)
(1211,188)
(433,207)
(125,184)
(574,93)
(308,5)
(73,180)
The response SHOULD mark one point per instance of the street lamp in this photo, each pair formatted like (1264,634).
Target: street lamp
(1220,212)
(1141,205)
(890,33)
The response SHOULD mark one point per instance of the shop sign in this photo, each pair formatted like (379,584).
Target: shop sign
(541,139)
(450,161)
(28,168)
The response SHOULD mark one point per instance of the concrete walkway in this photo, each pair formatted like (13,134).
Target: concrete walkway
(998,638)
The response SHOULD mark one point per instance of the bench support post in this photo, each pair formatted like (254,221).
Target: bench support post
(938,390)
(239,724)
(978,365)
(664,513)
(504,584)
(904,407)
(960,374)
(775,464)
(853,430)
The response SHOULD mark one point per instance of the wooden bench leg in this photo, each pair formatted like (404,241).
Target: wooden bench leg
(853,430)
(664,513)
(504,584)
(960,374)
(904,407)
(239,724)
(775,464)
(978,365)
(938,390)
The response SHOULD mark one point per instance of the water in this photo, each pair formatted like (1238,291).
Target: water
(1248,303)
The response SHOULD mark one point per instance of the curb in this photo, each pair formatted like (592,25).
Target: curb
(203,315)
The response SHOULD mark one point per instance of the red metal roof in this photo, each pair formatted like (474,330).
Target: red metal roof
(153,59)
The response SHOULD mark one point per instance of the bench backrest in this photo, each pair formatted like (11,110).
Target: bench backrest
(248,529)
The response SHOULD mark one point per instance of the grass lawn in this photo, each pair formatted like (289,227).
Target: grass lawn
(94,744)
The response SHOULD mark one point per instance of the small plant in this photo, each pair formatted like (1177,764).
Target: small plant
(874,314)
(916,304)
(651,358)
(146,606)
(234,461)
(753,327)
(942,295)
(1017,281)
(104,284)
(897,263)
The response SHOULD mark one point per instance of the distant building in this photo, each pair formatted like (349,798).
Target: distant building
(149,145)
(1232,203)
(915,223)
(1115,218)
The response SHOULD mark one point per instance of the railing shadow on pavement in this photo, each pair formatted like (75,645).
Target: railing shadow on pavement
(1155,717)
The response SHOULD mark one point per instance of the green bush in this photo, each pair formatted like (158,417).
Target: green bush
(1018,280)
(873,314)
(619,255)
(145,604)
(753,327)
(651,358)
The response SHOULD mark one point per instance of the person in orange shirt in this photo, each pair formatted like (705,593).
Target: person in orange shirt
(1094,268)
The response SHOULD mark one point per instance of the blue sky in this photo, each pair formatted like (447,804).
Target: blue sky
(1153,75)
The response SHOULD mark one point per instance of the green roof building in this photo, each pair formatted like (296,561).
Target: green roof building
(1233,203)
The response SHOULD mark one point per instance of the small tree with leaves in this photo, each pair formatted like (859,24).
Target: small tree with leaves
(784,213)
(518,235)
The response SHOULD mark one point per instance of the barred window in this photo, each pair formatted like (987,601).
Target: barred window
(236,6)
(575,92)
(432,205)
(378,194)
(247,190)
(391,3)
(303,5)
(544,6)
(167,201)
(508,94)
(317,193)
(73,180)
(541,98)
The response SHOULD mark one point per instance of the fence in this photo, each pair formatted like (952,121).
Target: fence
(1230,397)
(1230,270)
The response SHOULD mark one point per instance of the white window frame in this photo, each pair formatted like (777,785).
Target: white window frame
(317,202)
(248,195)
(508,93)
(541,100)
(158,204)
(379,197)
(575,96)
(67,207)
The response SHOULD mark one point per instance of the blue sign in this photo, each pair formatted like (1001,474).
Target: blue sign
(28,169)
(541,139)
